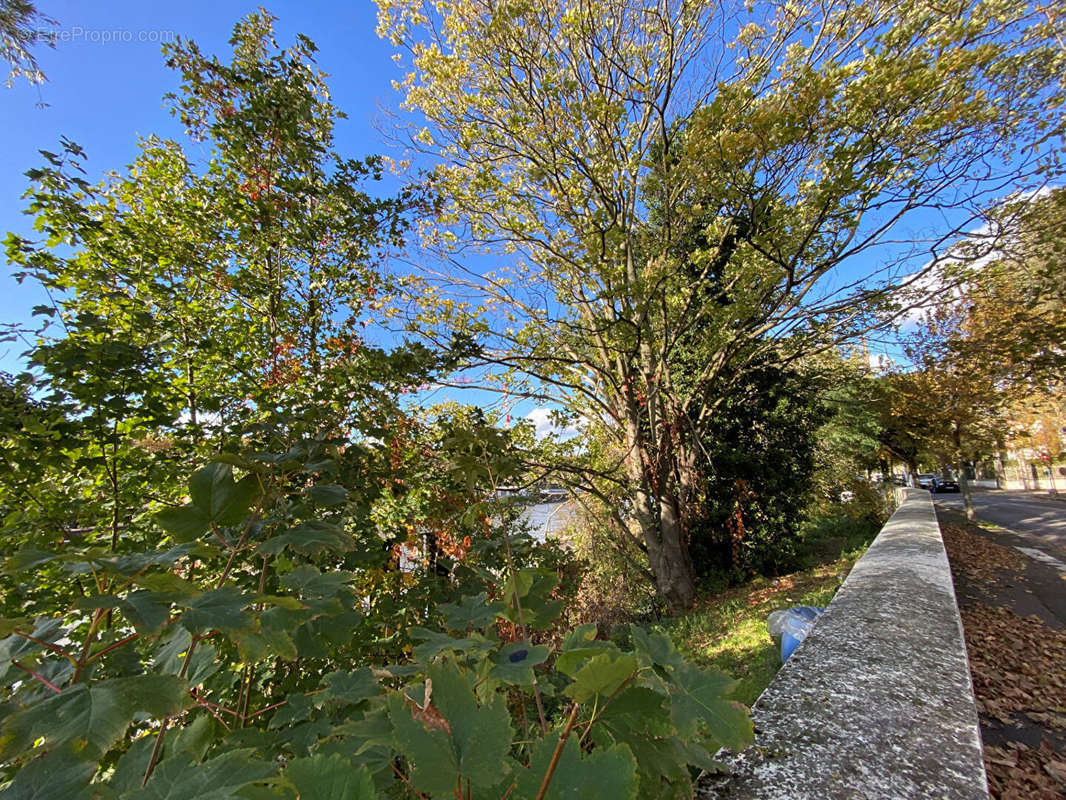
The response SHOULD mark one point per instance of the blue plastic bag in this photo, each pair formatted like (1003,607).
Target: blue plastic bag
(792,626)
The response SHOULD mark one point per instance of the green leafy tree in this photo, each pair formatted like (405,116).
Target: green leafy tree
(951,404)
(332,604)
(1015,303)
(793,137)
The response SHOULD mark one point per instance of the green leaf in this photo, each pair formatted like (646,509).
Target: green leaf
(656,646)
(329,778)
(147,611)
(8,625)
(640,718)
(297,708)
(434,643)
(578,647)
(185,523)
(219,609)
(311,538)
(434,762)
(46,629)
(534,588)
(470,612)
(602,675)
(28,558)
(481,734)
(514,662)
(167,583)
(322,466)
(608,773)
(350,688)
(699,696)
(308,581)
(178,778)
(171,654)
(454,736)
(195,738)
(372,731)
(276,626)
(214,492)
(93,715)
(129,770)
(328,494)
(580,637)
(62,773)
(640,710)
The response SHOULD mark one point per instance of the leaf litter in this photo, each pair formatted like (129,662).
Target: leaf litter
(1018,666)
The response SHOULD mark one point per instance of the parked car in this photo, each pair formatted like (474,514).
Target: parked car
(926,479)
(944,485)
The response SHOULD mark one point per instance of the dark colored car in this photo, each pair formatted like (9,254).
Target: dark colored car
(944,485)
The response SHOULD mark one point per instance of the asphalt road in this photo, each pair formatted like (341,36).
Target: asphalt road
(1040,521)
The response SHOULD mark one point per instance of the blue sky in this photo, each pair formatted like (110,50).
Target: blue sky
(105,94)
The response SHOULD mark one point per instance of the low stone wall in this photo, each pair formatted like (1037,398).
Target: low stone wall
(877,703)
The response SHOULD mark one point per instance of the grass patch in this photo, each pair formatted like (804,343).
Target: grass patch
(727,629)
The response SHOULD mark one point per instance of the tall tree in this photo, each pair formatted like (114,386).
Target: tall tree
(586,137)
(953,402)
(1015,302)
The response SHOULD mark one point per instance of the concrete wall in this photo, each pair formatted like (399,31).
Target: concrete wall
(877,703)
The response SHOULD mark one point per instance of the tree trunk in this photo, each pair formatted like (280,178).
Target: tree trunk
(659,515)
(964,481)
(964,486)
(674,576)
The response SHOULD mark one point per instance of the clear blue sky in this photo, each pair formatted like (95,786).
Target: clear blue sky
(105,94)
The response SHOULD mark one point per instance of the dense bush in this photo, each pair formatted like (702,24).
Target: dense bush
(760,461)
(249,655)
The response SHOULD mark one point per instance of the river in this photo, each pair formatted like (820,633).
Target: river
(547,518)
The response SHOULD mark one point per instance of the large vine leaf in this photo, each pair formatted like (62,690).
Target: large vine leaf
(15,646)
(94,716)
(220,609)
(350,688)
(331,777)
(481,734)
(608,773)
(147,611)
(470,612)
(603,675)
(184,523)
(699,696)
(328,494)
(219,497)
(532,590)
(309,581)
(452,737)
(221,778)
(657,647)
(514,662)
(216,498)
(433,761)
(310,538)
(433,644)
(61,773)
